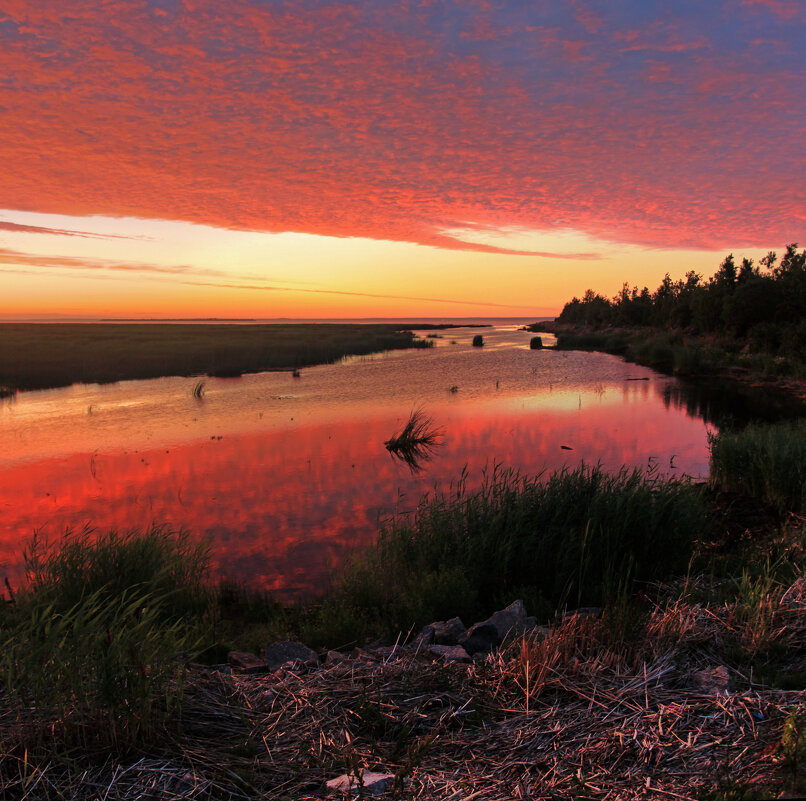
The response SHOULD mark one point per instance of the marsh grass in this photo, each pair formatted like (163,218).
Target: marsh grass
(198,390)
(575,536)
(764,461)
(36,356)
(94,643)
(478,341)
(536,343)
(417,440)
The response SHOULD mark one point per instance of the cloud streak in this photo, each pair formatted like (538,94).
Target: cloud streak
(184,275)
(19,228)
(634,122)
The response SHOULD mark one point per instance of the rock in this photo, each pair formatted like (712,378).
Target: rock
(334,657)
(242,660)
(280,653)
(713,680)
(373,783)
(508,619)
(449,632)
(490,633)
(481,638)
(450,653)
(424,638)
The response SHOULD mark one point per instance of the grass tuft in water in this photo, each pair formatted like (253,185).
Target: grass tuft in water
(417,441)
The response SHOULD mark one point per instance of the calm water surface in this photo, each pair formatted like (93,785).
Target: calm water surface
(283,474)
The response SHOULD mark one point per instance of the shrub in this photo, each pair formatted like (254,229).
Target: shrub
(536,343)
(478,341)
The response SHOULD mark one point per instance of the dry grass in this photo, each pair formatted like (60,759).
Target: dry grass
(576,713)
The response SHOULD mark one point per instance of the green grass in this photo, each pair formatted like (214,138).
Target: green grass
(576,536)
(93,646)
(764,461)
(35,356)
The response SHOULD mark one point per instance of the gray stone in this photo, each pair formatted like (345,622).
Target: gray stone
(490,633)
(281,653)
(448,632)
(373,783)
(713,680)
(450,653)
(384,651)
(480,638)
(424,638)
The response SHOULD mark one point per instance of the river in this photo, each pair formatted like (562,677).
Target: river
(284,474)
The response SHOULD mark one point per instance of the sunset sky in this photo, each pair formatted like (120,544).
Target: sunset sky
(258,158)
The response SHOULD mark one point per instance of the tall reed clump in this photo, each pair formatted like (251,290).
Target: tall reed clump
(575,537)
(766,461)
(94,644)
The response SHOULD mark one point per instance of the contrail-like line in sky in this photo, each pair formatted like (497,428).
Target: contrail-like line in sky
(352,294)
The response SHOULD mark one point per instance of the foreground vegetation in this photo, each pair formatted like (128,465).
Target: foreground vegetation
(699,653)
(40,355)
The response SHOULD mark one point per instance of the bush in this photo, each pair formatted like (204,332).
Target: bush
(536,343)
(478,341)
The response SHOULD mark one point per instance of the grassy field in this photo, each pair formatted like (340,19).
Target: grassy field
(39,355)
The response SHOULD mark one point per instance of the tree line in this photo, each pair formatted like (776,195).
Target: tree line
(762,304)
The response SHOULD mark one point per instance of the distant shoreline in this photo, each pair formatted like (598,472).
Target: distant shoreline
(37,356)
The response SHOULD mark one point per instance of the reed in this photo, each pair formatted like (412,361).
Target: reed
(764,461)
(95,643)
(572,537)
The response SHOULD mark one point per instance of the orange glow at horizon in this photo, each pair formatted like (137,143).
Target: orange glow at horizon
(111,267)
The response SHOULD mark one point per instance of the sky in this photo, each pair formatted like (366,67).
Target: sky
(421,158)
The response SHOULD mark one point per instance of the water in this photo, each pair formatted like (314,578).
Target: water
(284,474)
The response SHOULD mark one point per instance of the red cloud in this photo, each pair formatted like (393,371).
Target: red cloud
(342,120)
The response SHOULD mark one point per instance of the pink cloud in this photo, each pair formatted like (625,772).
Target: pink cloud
(341,120)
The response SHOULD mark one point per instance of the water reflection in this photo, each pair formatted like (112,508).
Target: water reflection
(284,474)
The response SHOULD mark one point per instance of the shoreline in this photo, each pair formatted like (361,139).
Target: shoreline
(790,386)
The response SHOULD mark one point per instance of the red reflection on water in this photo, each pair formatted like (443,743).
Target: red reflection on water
(281,506)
